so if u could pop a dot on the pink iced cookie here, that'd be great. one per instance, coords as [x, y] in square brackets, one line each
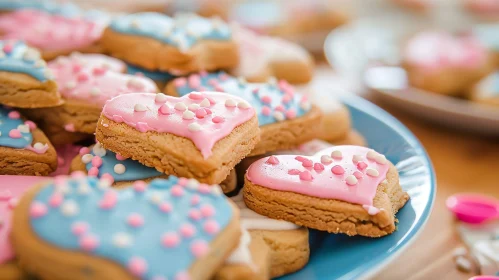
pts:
[433, 50]
[487, 8]
[11, 189]
[50, 33]
[347, 189]
[96, 78]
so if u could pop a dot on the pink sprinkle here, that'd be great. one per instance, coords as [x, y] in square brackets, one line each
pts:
[77, 175]
[218, 119]
[7, 48]
[142, 126]
[318, 166]
[109, 200]
[56, 199]
[180, 82]
[255, 90]
[200, 113]
[223, 77]
[12, 203]
[170, 239]
[177, 191]
[199, 248]
[286, 98]
[76, 68]
[218, 88]
[358, 174]
[84, 151]
[306, 176]
[182, 181]
[213, 82]
[96, 161]
[5, 195]
[207, 211]
[69, 127]
[194, 214]
[30, 124]
[266, 99]
[208, 111]
[337, 170]
[99, 71]
[212, 101]
[187, 230]
[266, 111]
[290, 114]
[137, 266]
[204, 188]
[118, 118]
[89, 243]
[120, 157]
[165, 207]
[82, 77]
[15, 133]
[195, 199]
[203, 73]
[361, 165]
[272, 160]
[300, 158]
[194, 81]
[79, 228]
[166, 110]
[14, 115]
[139, 186]
[294, 172]
[280, 108]
[307, 163]
[60, 161]
[135, 220]
[182, 276]
[282, 84]
[211, 227]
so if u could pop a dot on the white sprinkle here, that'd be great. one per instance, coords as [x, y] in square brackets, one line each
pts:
[205, 103]
[356, 158]
[2, 54]
[83, 189]
[243, 105]
[134, 83]
[98, 150]
[336, 154]
[371, 154]
[325, 159]
[216, 190]
[119, 168]
[63, 189]
[23, 128]
[230, 103]
[379, 158]
[94, 91]
[188, 115]
[122, 240]
[305, 105]
[272, 81]
[31, 54]
[40, 63]
[194, 127]
[193, 107]
[160, 98]
[180, 106]
[459, 251]
[0, 133]
[70, 85]
[104, 184]
[135, 24]
[241, 80]
[69, 208]
[48, 74]
[372, 172]
[192, 184]
[463, 264]
[279, 116]
[155, 198]
[139, 107]
[86, 158]
[351, 180]
[39, 146]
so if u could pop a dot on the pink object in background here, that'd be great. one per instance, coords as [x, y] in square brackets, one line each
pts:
[65, 155]
[473, 208]
[484, 278]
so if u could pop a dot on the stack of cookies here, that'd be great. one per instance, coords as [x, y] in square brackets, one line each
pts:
[146, 198]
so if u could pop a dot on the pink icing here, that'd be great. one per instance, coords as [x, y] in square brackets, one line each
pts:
[50, 32]
[438, 50]
[341, 178]
[203, 132]
[93, 84]
[11, 189]
[484, 6]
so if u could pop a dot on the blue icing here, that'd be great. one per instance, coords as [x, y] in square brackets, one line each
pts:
[157, 76]
[259, 13]
[6, 125]
[51, 7]
[22, 59]
[232, 85]
[134, 169]
[55, 226]
[182, 32]
[488, 34]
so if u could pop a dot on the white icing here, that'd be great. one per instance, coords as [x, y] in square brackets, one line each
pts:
[242, 254]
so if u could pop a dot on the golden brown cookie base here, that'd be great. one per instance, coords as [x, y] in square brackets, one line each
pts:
[50, 262]
[152, 54]
[24, 162]
[330, 215]
[353, 138]
[10, 271]
[294, 72]
[335, 125]
[288, 134]
[228, 185]
[179, 156]
[23, 91]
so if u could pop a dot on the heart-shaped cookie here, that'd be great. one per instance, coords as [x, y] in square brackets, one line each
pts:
[286, 117]
[348, 189]
[167, 229]
[200, 135]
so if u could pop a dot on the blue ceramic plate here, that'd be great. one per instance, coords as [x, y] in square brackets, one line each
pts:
[342, 257]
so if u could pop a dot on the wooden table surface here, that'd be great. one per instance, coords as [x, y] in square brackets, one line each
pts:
[463, 163]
